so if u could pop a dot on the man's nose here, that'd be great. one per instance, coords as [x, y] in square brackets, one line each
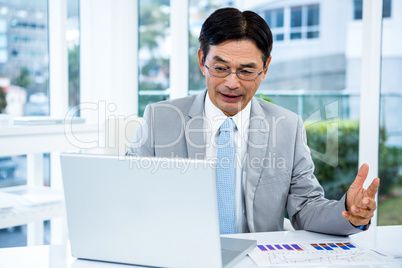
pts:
[232, 81]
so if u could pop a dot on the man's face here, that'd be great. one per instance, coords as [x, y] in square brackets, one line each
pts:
[231, 94]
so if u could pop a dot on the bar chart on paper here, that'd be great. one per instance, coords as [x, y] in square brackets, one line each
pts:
[311, 253]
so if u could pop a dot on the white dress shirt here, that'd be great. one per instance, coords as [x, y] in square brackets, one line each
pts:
[214, 118]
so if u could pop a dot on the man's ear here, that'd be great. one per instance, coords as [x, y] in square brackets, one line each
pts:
[200, 56]
[266, 67]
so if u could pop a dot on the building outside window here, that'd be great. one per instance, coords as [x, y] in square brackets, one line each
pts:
[24, 57]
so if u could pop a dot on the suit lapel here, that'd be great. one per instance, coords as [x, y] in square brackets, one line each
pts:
[256, 152]
[194, 129]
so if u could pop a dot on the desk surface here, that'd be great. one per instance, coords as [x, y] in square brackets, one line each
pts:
[385, 238]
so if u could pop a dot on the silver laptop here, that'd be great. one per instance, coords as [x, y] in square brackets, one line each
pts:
[146, 211]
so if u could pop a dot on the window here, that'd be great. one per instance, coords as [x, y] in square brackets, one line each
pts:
[198, 12]
[304, 22]
[154, 52]
[358, 9]
[293, 23]
[320, 82]
[390, 142]
[73, 47]
[24, 57]
[313, 19]
[24, 77]
[275, 20]
[386, 9]
[296, 22]
[13, 172]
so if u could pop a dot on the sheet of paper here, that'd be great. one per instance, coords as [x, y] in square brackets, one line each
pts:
[313, 253]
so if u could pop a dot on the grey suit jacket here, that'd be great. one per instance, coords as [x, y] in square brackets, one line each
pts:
[278, 166]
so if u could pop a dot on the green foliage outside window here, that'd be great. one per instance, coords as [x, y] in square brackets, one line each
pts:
[24, 79]
[3, 102]
[336, 180]
[74, 76]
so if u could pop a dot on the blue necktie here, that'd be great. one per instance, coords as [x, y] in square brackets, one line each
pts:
[225, 174]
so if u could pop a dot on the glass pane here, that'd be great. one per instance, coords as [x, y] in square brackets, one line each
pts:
[315, 34]
[279, 37]
[15, 236]
[13, 172]
[274, 18]
[198, 12]
[386, 8]
[319, 80]
[313, 15]
[357, 9]
[296, 17]
[295, 36]
[279, 18]
[154, 51]
[390, 144]
[268, 17]
[73, 46]
[24, 57]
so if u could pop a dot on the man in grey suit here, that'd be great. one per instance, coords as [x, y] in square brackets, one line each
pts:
[273, 169]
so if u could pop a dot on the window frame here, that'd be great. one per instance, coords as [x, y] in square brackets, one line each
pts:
[369, 112]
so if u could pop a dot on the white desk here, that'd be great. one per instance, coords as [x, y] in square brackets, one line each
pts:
[384, 238]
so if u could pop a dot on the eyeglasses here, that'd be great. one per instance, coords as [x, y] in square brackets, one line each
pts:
[243, 74]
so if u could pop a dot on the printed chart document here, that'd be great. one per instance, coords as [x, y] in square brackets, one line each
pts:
[314, 253]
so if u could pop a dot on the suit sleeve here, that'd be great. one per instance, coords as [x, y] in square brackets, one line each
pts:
[307, 207]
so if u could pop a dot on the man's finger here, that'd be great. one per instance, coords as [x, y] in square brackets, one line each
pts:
[361, 177]
[373, 188]
[366, 203]
[366, 214]
[362, 213]
[347, 215]
[355, 220]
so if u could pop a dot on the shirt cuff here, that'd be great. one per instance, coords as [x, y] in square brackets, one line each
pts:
[361, 227]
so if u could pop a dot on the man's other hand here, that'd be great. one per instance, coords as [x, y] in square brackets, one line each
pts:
[360, 202]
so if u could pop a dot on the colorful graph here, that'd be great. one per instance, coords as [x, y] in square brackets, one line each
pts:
[280, 247]
[312, 253]
[299, 247]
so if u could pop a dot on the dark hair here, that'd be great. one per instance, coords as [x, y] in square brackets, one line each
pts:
[232, 24]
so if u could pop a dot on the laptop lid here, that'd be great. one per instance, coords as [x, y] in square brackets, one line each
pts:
[146, 211]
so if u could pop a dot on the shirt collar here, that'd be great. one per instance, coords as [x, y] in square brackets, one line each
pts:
[215, 116]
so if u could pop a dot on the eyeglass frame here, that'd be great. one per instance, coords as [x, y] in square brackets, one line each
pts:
[229, 72]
